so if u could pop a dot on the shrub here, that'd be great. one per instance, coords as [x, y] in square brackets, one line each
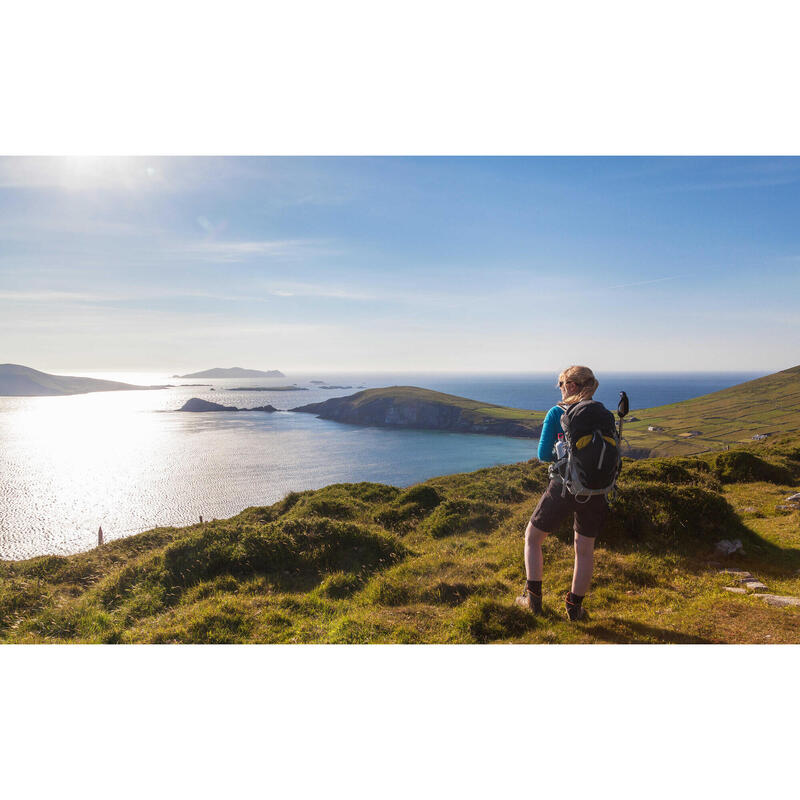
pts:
[339, 585]
[422, 496]
[387, 591]
[311, 545]
[741, 466]
[213, 621]
[449, 594]
[486, 620]
[671, 471]
[369, 492]
[669, 517]
[455, 516]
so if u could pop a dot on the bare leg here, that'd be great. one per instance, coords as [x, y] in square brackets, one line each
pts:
[584, 561]
[534, 565]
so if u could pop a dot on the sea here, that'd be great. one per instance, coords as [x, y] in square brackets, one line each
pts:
[130, 461]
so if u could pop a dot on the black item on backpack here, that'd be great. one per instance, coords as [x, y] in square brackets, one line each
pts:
[592, 460]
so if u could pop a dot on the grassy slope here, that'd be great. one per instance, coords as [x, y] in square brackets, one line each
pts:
[16, 380]
[731, 416]
[439, 562]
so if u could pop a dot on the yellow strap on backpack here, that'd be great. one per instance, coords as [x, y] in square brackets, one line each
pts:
[584, 440]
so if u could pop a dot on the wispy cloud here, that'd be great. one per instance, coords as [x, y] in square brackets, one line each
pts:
[55, 297]
[316, 290]
[235, 251]
[644, 283]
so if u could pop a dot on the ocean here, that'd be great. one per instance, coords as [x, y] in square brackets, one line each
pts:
[129, 461]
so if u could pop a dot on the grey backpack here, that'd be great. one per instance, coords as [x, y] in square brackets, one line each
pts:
[591, 461]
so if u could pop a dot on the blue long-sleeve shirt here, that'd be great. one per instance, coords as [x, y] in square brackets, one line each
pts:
[551, 427]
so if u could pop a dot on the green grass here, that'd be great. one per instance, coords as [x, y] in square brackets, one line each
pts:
[437, 562]
[768, 405]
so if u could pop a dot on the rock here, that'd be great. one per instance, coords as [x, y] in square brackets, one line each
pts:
[749, 509]
[196, 404]
[779, 600]
[793, 498]
[755, 586]
[741, 574]
[726, 547]
[735, 589]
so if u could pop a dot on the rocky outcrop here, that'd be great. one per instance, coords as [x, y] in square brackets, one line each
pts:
[196, 404]
[418, 413]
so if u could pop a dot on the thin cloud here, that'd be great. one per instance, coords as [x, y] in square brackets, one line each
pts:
[55, 297]
[644, 283]
[312, 290]
[233, 251]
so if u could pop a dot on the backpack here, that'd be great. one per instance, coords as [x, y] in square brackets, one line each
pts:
[591, 461]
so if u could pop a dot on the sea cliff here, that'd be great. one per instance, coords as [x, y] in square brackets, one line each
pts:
[412, 407]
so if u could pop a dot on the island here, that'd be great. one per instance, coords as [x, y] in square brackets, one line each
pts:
[317, 382]
[413, 407]
[196, 404]
[335, 387]
[268, 389]
[233, 372]
[19, 381]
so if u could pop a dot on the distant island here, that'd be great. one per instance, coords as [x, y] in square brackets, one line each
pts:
[19, 381]
[316, 381]
[268, 389]
[233, 372]
[412, 407]
[335, 387]
[196, 404]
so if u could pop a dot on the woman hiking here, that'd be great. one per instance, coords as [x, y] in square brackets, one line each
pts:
[576, 383]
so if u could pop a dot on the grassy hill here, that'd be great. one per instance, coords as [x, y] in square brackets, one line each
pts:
[413, 407]
[768, 405]
[19, 381]
[438, 562]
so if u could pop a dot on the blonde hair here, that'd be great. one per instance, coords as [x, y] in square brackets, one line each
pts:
[587, 384]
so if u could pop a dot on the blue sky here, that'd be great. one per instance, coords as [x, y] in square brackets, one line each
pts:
[506, 264]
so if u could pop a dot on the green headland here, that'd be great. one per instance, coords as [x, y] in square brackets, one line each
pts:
[441, 561]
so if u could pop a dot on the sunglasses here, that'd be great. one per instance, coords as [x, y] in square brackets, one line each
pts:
[565, 383]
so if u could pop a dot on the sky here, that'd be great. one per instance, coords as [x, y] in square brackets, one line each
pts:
[507, 264]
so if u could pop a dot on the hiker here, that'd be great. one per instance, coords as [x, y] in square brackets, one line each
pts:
[577, 384]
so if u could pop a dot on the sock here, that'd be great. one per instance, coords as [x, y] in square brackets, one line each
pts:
[575, 599]
[534, 587]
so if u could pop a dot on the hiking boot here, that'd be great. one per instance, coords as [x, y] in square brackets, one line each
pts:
[575, 612]
[530, 601]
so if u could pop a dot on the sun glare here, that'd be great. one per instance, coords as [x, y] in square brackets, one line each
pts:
[87, 173]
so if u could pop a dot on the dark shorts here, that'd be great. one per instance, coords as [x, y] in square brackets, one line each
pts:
[553, 510]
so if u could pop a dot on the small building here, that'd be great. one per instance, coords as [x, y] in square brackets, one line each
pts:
[654, 428]
[759, 436]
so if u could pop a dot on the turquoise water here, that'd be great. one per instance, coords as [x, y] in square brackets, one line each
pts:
[129, 461]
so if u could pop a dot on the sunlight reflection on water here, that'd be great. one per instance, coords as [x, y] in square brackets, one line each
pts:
[70, 464]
